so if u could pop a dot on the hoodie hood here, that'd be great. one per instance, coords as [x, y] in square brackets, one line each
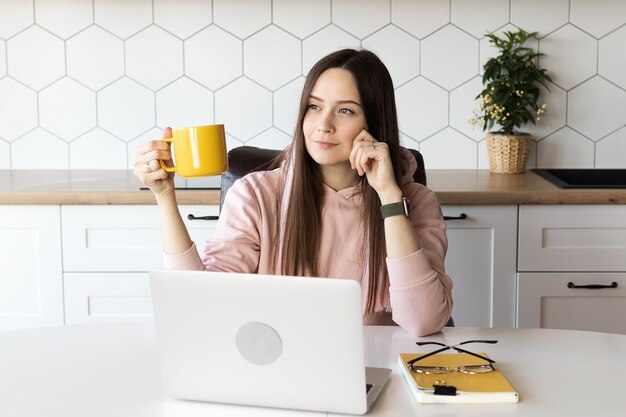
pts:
[408, 166]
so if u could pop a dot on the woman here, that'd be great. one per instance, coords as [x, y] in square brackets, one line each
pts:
[334, 207]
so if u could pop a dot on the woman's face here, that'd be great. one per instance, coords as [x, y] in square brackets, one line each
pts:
[333, 118]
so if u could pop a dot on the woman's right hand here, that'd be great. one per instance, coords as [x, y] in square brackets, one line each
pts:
[149, 170]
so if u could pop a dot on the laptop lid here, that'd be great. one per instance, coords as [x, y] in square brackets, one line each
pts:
[273, 341]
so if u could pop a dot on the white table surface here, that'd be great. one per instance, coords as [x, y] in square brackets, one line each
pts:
[112, 370]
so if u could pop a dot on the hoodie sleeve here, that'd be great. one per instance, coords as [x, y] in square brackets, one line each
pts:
[235, 245]
[420, 290]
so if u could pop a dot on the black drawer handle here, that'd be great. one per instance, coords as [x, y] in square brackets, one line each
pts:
[192, 217]
[461, 216]
[592, 286]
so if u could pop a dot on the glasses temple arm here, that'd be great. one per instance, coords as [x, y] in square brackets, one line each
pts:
[458, 349]
[478, 341]
[412, 361]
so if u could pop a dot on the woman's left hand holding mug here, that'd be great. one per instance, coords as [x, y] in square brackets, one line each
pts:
[149, 170]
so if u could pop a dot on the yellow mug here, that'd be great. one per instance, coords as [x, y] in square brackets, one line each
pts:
[199, 151]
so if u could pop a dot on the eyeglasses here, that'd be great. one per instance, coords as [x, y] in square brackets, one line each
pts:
[466, 369]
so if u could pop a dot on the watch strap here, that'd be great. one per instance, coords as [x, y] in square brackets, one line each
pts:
[395, 209]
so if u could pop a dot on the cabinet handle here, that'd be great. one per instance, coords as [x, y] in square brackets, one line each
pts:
[592, 286]
[192, 217]
[461, 216]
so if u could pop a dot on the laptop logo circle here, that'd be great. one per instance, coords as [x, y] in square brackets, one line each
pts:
[258, 343]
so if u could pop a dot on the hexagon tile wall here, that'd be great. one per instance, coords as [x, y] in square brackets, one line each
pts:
[84, 82]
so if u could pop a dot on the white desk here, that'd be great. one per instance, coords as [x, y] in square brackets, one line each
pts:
[112, 370]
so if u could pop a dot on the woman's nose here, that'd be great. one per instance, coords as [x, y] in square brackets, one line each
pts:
[325, 123]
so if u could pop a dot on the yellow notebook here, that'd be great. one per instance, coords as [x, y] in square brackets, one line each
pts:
[491, 387]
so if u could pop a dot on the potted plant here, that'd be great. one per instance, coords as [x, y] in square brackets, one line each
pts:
[510, 100]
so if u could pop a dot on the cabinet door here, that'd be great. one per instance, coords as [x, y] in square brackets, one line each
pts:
[122, 238]
[572, 238]
[547, 301]
[106, 297]
[481, 262]
[31, 290]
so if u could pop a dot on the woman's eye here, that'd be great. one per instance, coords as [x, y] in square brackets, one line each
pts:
[346, 111]
[313, 107]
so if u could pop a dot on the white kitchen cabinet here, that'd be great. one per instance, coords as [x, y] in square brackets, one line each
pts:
[31, 288]
[101, 297]
[558, 301]
[107, 252]
[122, 238]
[481, 261]
[572, 238]
[582, 245]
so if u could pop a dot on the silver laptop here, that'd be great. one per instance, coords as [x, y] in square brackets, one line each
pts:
[263, 340]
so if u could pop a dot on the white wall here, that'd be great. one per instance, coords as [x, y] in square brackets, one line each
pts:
[84, 82]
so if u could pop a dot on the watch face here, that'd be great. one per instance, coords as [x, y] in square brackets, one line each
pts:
[407, 206]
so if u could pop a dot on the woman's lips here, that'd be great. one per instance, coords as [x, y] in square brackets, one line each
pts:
[325, 145]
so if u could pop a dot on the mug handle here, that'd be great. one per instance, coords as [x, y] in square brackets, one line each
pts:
[165, 167]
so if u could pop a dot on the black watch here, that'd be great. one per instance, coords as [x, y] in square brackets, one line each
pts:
[396, 209]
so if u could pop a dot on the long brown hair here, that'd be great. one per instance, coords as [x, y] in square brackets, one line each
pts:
[300, 220]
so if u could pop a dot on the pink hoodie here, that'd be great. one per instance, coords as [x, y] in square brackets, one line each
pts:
[419, 292]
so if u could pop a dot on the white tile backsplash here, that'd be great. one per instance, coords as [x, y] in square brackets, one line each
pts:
[151, 49]
[598, 17]
[301, 17]
[242, 18]
[612, 57]
[16, 16]
[18, 109]
[36, 57]
[39, 149]
[245, 107]
[98, 150]
[3, 58]
[183, 18]
[565, 148]
[571, 56]
[95, 57]
[420, 18]
[5, 155]
[422, 108]
[403, 60]
[610, 151]
[272, 57]
[470, 16]
[540, 15]
[213, 57]
[86, 78]
[184, 103]
[126, 109]
[64, 18]
[449, 149]
[449, 57]
[596, 108]
[361, 18]
[67, 109]
[123, 18]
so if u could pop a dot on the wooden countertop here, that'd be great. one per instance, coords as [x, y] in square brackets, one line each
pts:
[451, 186]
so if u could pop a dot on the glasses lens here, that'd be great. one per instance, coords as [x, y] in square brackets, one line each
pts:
[429, 369]
[476, 369]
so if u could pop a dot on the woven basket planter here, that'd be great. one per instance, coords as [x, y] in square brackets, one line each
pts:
[508, 154]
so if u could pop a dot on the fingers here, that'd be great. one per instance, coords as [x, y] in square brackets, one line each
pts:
[366, 150]
[147, 166]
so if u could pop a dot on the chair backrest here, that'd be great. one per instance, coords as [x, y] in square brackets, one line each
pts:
[245, 159]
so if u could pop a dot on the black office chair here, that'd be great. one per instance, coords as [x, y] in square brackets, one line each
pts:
[245, 159]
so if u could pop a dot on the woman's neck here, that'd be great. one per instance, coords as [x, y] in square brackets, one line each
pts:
[339, 177]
